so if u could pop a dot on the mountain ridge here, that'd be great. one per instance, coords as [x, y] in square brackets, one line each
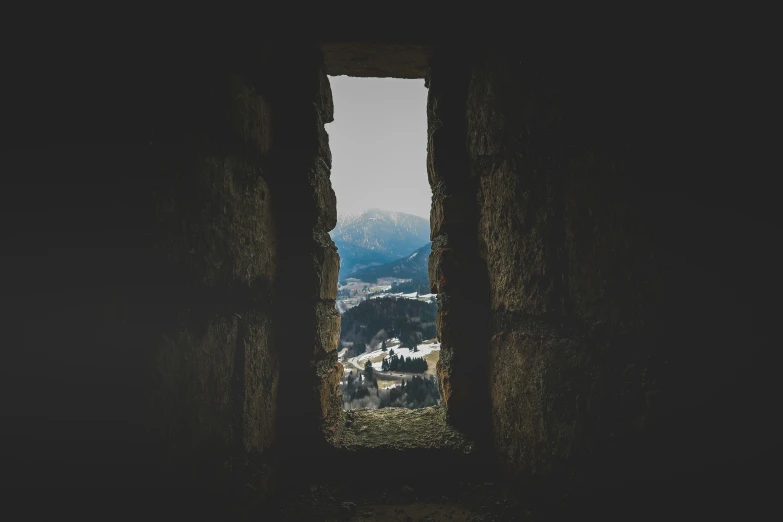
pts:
[376, 237]
[414, 266]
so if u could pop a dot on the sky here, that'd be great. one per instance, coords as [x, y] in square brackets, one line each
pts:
[379, 145]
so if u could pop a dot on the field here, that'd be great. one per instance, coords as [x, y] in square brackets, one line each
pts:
[429, 350]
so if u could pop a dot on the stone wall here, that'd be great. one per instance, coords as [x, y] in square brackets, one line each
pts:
[169, 281]
[456, 270]
[140, 258]
[616, 316]
[309, 324]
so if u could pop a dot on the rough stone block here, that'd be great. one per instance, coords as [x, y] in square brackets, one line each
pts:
[329, 271]
[251, 114]
[453, 272]
[521, 248]
[312, 272]
[329, 396]
[324, 199]
[327, 327]
[485, 114]
[324, 99]
[222, 229]
[322, 145]
[447, 163]
[545, 397]
[450, 211]
[434, 266]
[459, 323]
[261, 382]
[327, 265]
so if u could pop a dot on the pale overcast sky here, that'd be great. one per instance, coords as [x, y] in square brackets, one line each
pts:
[379, 145]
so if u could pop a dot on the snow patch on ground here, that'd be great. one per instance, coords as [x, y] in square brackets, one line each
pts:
[423, 349]
[400, 295]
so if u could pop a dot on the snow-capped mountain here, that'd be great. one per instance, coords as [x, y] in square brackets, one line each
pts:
[376, 237]
[413, 266]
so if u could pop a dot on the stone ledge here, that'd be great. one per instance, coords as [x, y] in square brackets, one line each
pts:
[375, 60]
[400, 429]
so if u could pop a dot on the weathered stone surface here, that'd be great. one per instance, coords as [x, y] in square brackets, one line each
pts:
[437, 270]
[313, 268]
[158, 356]
[487, 109]
[228, 236]
[560, 377]
[330, 397]
[325, 201]
[541, 429]
[329, 271]
[449, 268]
[400, 429]
[630, 287]
[590, 261]
[309, 262]
[324, 152]
[261, 382]
[450, 212]
[325, 103]
[328, 324]
[375, 60]
[456, 271]
[516, 227]
[463, 357]
[219, 371]
[448, 169]
[198, 403]
[251, 114]
[326, 264]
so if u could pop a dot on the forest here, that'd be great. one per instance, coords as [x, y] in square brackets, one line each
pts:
[420, 284]
[361, 391]
[404, 364]
[407, 319]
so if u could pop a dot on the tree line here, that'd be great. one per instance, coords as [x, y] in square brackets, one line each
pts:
[360, 390]
[409, 320]
[396, 363]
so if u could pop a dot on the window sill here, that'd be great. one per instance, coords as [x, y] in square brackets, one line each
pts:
[399, 429]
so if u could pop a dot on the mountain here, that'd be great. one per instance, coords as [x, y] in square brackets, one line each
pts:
[354, 257]
[377, 237]
[412, 266]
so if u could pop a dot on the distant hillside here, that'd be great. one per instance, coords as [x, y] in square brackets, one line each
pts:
[402, 318]
[377, 237]
[354, 258]
[412, 266]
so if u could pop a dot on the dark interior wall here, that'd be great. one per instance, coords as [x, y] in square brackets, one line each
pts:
[139, 259]
[627, 275]
[457, 272]
[308, 260]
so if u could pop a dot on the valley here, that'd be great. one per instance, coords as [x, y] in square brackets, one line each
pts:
[388, 340]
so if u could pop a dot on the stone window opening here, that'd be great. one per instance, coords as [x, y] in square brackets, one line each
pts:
[388, 342]
[432, 427]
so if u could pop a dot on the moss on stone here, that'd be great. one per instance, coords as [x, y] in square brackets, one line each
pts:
[400, 429]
